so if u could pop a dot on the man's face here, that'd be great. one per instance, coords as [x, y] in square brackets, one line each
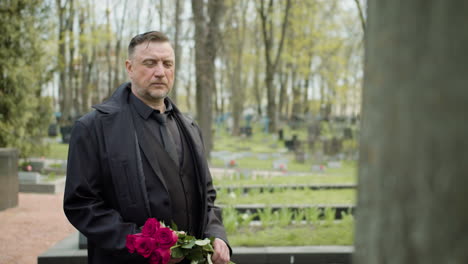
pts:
[151, 70]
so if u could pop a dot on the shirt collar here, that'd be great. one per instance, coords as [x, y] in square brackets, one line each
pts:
[144, 110]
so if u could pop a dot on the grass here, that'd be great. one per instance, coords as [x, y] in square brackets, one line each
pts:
[285, 228]
[289, 197]
[346, 174]
[339, 233]
[58, 151]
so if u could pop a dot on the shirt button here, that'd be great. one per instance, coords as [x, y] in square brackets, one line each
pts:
[166, 202]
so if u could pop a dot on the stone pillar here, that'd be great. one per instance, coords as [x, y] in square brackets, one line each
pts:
[9, 185]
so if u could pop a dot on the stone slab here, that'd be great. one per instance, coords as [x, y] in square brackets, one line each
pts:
[254, 208]
[270, 187]
[56, 186]
[8, 178]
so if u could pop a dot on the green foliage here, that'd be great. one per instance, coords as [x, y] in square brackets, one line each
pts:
[195, 250]
[333, 177]
[292, 197]
[57, 151]
[24, 114]
[274, 231]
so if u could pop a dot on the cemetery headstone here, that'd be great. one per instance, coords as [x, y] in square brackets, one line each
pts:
[246, 131]
[280, 134]
[9, 185]
[347, 133]
[293, 144]
[53, 130]
[281, 165]
[332, 147]
[66, 133]
[300, 156]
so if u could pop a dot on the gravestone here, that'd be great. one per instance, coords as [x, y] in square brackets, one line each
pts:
[300, 156]
[347, 133]
[66, 133]
[313, 133]
[246, 130]
[281, 135]
[28, 177]
[281, 165]
[332, 146]
[293, 144]
[53, 130]
[9, 185]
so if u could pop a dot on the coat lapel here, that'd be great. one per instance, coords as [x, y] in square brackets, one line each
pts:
[145, 143]
[120, 142]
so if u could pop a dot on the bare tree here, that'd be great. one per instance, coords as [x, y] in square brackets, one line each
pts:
[361, 15]
[414, 144]
[120, 23]
[206, 43]
[177, 47]
[266, 16]
[61, 58]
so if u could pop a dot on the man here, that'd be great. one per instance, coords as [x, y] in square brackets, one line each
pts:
[135, 157]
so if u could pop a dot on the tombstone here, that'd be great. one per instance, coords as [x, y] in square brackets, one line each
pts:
[347, 133]
[9, 185]
[334, 164]
[29, 177]
[66, 133]
[313, 133]
[293, 144]
[266, 123]
[281, 165]
[332, 146]
[53, 130]
[281, 134]
[300, 156]
[247, 131]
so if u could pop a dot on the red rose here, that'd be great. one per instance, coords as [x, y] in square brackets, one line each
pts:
[145, 246]
[151, 226]
[165, 237]
[130, 243]
[160, 256]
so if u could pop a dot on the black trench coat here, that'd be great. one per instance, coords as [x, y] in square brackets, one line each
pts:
[105, 194]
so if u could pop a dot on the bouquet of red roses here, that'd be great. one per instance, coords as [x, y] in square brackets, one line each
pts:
[159, 243]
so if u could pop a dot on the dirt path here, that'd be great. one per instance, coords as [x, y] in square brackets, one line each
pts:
[31, 228]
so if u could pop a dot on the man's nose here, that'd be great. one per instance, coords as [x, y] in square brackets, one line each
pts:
[159, 70]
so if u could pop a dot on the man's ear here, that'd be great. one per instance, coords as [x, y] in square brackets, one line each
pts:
[129, 67]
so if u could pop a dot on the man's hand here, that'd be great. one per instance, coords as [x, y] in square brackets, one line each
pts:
[221, 252]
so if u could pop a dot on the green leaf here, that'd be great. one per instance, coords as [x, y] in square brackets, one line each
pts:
[203, 242]
[177, 252]
[190, 244]
[208, 258]
[174, 226]
[208, 248]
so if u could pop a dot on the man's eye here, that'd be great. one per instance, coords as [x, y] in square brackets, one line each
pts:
[168, 64]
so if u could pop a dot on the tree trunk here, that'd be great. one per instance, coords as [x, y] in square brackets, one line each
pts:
[414, 141]
[283, 76]
[206, 41]
[120, 24]
[110, 88]
[266, 17]
[177, 47]
[61, 10]
[68, 100]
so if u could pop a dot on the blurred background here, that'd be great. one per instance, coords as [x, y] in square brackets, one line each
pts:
[275, 86]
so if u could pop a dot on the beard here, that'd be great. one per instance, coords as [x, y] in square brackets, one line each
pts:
[157, 94]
